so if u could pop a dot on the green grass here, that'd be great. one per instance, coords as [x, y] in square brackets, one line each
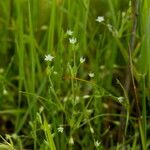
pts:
[57, 105]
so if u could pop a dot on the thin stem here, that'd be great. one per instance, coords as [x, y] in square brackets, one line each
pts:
[135, 4]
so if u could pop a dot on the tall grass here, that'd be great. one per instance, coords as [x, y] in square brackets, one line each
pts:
[94, 94]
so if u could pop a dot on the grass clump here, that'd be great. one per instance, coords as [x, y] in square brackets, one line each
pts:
[74, 74]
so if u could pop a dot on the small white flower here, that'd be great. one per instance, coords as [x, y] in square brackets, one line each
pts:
[102, 67]
[60, 129]
[44, 27]
[89, 111]
[120, 99]
[97, 143]
[5, 92]
[55, 72]
[92, 130]
[123, 14]
[69, 32]
[48, 57]
[77, 98]
[110, 28]
[91, 75]
[72, 40]
[41, 109]
[65, 99]
[82, 60]
[14, 136]
[86, 96]
[71, 141]
[105, 106]
[49, 126]
[100, 19]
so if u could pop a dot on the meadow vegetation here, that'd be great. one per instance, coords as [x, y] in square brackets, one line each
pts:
[74, 74]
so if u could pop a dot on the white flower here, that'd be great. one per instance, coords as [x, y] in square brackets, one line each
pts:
[71, 141]
[65, 99]
[92, 130]
[49, 126]
[100, 19]
[5, 92]
[82, 60]
[105, 105]
[91, 75]
[123, 14]
[14, 136]
[102, 67]
[110, 27]
[97, 143]
[44, 27]
[69, 32]
[86, 96]
[72, 40]
[41, 109]
[48, 57]
[60, 129]
[120, 99]
[77, 98]
[55, 72]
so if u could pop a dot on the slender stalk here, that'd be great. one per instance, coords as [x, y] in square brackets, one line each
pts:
[135, 4]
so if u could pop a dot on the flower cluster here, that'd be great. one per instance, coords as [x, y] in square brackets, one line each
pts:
[72, 40]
